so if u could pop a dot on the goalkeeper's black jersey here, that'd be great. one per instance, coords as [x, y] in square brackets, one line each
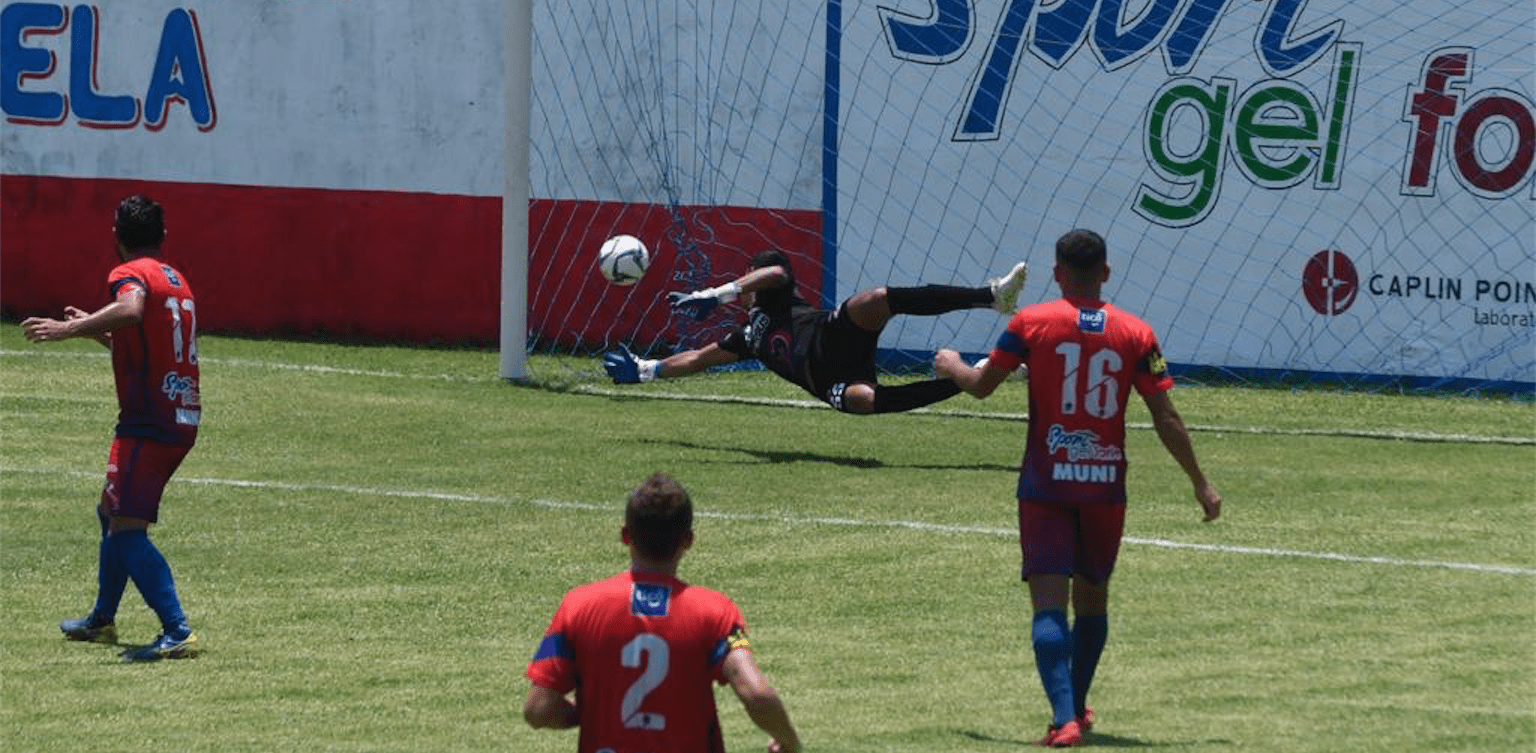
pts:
[781, 331]
[818, 350]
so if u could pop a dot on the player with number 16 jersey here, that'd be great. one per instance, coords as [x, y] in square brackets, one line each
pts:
[155, 364]
[1084, 357]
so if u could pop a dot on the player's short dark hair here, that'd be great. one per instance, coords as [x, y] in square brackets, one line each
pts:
[771, 258]
[139, 223]
[659, 516]
[1081, 250]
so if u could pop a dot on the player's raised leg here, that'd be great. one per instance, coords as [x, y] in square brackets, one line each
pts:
[1005, 289]
[872, 309]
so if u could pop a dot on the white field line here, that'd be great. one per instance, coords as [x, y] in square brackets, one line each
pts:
[1416, 436]
[911, 525]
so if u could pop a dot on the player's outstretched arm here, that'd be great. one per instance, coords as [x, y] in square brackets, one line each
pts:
[1175, 437]
[700, 303]
[694, 361]
[546, 709]
[71, 313]
[761, 701]
[978, 381]
[126, 311]
[626, 368]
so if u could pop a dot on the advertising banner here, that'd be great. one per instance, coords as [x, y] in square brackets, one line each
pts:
[1340, 187]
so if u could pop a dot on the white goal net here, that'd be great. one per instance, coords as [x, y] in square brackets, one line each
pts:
[1339, 191]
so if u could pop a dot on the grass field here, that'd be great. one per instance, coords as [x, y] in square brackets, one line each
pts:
[371, 541]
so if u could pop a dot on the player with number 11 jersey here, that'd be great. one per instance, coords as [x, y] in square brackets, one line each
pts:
[155, 364]
[150, 325]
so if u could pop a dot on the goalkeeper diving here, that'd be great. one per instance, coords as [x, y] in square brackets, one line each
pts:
[830, 354]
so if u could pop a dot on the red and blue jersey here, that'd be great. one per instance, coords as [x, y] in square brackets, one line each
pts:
[155, 362]
[642, 651]
[1084, 357]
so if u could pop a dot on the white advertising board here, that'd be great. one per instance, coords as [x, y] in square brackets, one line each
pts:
[1324, 186]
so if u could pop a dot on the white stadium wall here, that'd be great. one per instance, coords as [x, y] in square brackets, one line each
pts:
[326, 167]
[1293, 185]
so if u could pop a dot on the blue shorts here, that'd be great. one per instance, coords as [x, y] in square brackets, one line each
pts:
[137, 471]
[1070, 539]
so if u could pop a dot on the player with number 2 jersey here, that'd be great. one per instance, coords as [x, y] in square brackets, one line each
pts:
[642, 650]
[645, 650]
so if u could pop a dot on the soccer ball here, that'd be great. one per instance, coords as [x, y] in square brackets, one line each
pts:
[623, 259]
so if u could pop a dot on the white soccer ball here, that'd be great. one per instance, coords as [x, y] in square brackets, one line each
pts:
[623, 259]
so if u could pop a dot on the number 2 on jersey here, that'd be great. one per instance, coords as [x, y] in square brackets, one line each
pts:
[650, 651]
[1099, 397]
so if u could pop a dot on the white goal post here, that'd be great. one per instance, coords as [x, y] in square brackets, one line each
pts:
[517, 63]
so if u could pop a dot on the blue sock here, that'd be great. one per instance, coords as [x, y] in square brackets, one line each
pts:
[1089, 633]
[152, 575]
[111, 580]
[1053, 658]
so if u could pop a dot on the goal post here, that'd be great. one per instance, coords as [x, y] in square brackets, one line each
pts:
[517, 65]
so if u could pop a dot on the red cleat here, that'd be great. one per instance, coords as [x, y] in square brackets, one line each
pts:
[1085, 719]
[1068, 735]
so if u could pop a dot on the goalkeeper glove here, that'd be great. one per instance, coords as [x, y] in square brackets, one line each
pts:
[625, 368]
[700, 303]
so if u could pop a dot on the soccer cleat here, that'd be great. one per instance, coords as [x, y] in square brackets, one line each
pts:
[1085, 720]
[1068, 735]
[1005, 289]
[165, 647]
[83, 629]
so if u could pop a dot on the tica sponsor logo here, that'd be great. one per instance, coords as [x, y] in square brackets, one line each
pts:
[33, 36]
[649, 600]
[1330, 283]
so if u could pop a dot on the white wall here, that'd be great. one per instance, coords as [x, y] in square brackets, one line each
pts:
[399, 95]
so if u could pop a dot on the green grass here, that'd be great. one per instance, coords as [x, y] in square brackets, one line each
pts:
[371, 541]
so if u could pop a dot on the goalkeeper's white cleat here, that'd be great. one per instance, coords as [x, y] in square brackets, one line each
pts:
[1005, 289]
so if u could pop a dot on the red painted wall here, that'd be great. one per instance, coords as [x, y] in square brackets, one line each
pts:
[415, 267]
[268, 261]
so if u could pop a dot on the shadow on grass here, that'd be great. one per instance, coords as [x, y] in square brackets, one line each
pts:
[797, 456]
[1096, 740]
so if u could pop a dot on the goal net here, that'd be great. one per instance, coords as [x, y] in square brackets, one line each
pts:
[1317, 191]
